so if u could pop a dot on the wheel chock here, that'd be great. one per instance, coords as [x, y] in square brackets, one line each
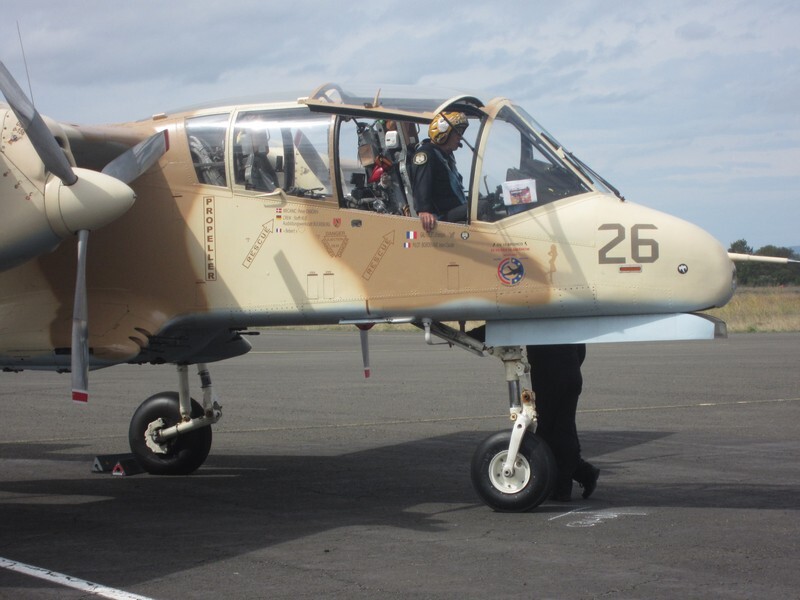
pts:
[127, 466]
[116, 464]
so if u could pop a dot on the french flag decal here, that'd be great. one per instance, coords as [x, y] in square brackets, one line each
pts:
[412, 235]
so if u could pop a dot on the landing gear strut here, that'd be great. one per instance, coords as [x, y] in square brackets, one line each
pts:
[170, 433]
[512, 471]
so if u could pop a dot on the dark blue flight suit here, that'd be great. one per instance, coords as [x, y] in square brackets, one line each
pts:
[438, 186]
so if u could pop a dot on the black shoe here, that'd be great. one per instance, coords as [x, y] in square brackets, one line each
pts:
[590, 482]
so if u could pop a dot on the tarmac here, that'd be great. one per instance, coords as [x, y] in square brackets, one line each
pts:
[324, 484]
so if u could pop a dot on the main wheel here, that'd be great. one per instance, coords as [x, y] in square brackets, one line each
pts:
[180, 455]
[529, 485]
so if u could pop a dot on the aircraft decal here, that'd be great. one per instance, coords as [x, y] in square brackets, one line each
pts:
[436, 240]
[553, 254]
[335, 242]
[295, 219]
[210, 239]
[410, 235]
[386, 242]
[630, 269]
[643, 250]
[266, 229]
[510, 271]
[509, 248]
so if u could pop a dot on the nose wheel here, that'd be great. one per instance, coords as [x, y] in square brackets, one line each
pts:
[179, 455]
[517, 487]
[170, 433]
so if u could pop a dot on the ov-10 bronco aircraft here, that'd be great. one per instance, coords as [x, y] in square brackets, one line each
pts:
[210, 222]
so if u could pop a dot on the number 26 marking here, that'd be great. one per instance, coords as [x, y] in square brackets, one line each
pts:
[643, 250]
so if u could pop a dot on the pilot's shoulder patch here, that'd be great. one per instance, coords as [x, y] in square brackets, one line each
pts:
[420, 158]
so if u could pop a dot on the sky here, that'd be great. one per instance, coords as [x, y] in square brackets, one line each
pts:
[689, 108]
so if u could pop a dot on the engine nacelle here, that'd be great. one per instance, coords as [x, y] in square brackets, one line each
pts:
[38, 210]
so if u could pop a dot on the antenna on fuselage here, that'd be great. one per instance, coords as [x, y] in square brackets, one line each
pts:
[25, 62]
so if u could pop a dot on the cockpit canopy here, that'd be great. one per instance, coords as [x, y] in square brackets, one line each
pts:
[355, 149]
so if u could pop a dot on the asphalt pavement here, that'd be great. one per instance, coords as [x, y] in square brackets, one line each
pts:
[323, 484]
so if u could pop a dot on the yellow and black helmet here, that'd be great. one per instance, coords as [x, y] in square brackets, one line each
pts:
[443, 124]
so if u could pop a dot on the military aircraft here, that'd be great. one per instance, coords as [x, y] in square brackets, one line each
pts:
[208, 223]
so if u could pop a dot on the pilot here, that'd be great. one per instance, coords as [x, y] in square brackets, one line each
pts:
[557, 384]
[438, 186]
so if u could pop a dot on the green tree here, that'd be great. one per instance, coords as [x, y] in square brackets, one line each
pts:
[744, 270]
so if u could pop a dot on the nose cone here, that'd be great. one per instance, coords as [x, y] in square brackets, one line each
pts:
[718, 273]
[697, 268]
[94, 201]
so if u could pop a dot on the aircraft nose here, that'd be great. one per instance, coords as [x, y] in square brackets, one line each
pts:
[723, 281]
[706, 268]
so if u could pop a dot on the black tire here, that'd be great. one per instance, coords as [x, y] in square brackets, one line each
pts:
[185, 453]
[533, 480]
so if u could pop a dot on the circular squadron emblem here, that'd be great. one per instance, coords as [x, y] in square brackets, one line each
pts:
[420, 158]
[683, 268]
[510, 271]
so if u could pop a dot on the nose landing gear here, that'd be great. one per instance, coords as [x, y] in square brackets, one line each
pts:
[512, 471]
[170, 433]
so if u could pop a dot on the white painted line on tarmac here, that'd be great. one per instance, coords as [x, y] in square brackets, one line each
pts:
[566, 514]
[68, 581]
[598, 517]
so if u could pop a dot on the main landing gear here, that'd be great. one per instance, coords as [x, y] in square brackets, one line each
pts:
[512, 471]
[170, 433]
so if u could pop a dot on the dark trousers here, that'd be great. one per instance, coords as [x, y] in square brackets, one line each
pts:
[557, 383]
[556, 426]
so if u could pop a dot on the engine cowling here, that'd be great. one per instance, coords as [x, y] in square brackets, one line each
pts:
[39, 210]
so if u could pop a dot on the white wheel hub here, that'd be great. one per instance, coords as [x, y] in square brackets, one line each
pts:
[514, 483]
[150, 434]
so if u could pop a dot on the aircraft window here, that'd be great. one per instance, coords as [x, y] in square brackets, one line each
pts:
[373, 164]
[285, 149]
[520, 172]
[207, 147]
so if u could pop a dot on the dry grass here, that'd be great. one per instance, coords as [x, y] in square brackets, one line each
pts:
[761, 310]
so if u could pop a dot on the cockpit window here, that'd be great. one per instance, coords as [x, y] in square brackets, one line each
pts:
[285, 149]
[520, 172]
[373, 158]
[207, 147]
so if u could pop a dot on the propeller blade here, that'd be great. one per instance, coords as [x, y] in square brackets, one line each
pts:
[134, 162]
[80, 327]
[54, 159]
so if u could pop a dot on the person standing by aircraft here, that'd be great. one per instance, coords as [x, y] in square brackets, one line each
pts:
[438, 186]
[557, 385]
